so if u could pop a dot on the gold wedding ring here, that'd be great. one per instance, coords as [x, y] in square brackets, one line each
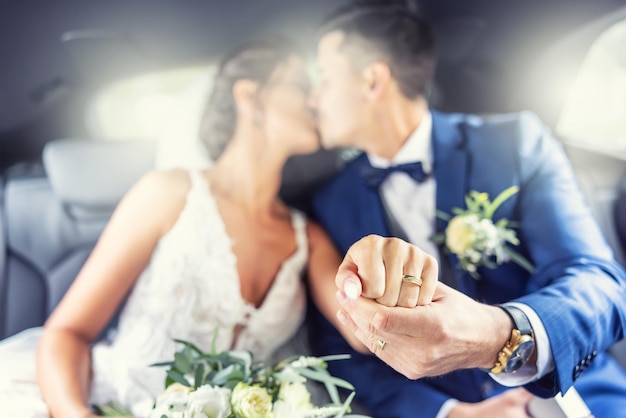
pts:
[381, 344]
[412, 279]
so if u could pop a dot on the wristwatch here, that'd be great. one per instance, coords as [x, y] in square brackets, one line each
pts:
[520, 346]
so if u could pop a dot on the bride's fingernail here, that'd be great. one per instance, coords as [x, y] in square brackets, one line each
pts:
[351, 290]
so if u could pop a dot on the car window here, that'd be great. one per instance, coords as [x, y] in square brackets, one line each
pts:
[163, 106]
[595, 110]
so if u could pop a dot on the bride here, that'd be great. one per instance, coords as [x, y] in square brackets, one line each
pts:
[196, 251]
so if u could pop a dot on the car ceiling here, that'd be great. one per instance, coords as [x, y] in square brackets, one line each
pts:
[53, 55]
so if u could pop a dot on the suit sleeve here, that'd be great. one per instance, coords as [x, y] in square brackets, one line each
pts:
[578, 289]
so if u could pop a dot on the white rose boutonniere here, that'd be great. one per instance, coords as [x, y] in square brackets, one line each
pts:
[475, 239]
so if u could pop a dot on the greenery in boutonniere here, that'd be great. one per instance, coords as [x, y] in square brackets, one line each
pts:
[475, 239]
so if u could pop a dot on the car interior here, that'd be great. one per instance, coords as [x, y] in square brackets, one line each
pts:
[69, 151]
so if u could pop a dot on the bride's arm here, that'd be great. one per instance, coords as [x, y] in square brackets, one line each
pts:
[63, 359]
[324, 260]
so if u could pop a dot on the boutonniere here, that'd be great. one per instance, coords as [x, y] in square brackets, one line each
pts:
[475, 239]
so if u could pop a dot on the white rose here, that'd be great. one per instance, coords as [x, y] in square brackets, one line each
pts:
[209, 402]
[251, 401]
[175, 388]
[171, 405]
[460, 234]
[284, 409]
[293, 399]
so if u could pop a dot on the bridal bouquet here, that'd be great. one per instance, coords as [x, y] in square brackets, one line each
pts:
[475, 239]
[230, 385]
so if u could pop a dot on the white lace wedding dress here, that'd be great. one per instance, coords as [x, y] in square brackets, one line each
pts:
[189, 289]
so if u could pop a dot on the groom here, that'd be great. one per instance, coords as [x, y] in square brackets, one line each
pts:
[375, 64]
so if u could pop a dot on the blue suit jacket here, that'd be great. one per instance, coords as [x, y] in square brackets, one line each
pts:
[578, 290]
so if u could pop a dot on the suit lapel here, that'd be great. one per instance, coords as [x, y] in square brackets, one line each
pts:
[451, 167]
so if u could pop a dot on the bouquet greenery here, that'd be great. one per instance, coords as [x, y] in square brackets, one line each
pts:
[475, 239]
[230, 385]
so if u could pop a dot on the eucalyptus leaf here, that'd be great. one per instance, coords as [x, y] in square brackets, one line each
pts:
[284, 376]
[457, 212]
[325, 377]
[177, 377]
[499, 200]
[223, 375]
[442, 215]
[190, 345]
[346, 405]
[502, 223]
[333, 393]
[520, 259]
[182, 362]
[163, 364]
[199, 376]
[244, 356]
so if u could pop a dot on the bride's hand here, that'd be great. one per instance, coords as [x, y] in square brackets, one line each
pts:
[389, 270]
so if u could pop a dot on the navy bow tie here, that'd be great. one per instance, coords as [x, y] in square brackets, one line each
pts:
[373, 176]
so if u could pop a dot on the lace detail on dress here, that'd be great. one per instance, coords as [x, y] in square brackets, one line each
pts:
[189, 288]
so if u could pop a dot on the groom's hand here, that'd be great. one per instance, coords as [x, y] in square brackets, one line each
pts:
[452, 332]
[389, 270]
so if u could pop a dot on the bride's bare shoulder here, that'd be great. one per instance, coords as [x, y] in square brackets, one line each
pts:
[159, 190]
[170, 183]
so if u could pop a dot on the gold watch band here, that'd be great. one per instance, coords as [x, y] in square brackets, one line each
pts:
[507, 351]
[518, 349]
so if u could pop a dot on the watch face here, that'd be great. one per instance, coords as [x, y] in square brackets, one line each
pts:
[519, 356]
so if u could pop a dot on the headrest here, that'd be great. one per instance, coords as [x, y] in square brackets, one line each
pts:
[96, 174]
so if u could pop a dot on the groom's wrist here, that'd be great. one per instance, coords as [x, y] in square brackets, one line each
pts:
[494, 334]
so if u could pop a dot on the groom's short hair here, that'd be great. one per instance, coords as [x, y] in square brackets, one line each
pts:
[390, 31]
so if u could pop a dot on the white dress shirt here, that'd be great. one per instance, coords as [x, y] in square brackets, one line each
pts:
[412, 205]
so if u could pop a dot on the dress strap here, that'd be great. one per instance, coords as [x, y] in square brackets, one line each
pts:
[197, 180]
[299, 220]
[199, 190]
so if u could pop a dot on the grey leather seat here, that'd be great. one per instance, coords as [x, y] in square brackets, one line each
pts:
[53, 221]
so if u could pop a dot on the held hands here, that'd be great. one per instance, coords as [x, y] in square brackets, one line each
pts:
[389, 270]
[420, 331]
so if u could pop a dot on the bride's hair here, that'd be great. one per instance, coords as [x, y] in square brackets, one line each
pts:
[255, 60]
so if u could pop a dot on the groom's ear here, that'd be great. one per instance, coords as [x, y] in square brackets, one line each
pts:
[245, 95]
[377, 77]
